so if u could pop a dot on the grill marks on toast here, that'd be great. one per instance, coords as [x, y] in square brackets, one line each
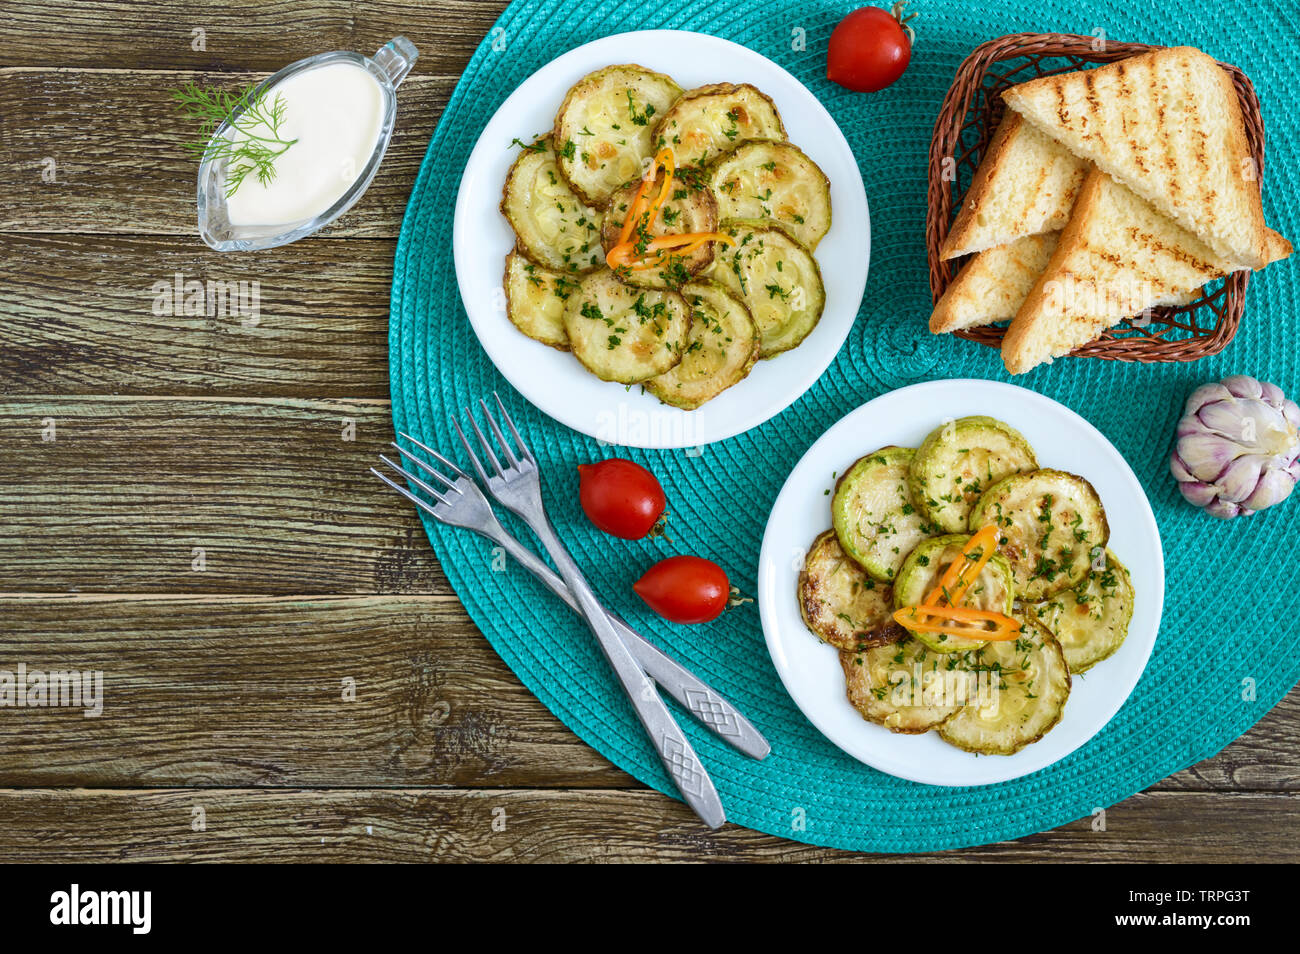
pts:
[1162, 85]
[1135, 91]
[1156, 243]
[1168, 125]
[1118, 257]
[993, 284]
[1025, 185]
[1170, 122]
[1132, 270]
[1023, 225]
[1094, 105]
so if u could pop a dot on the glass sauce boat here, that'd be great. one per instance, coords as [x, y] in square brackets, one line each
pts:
[389, 67]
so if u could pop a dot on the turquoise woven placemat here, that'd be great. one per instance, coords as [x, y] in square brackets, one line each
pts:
[1225, 653]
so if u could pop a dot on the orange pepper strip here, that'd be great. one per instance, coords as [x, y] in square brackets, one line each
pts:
[633, 215]
[923, 618]
[941, 606]
[625, 254]
[1001, 635]
[959, 576]
[966, 632]
[624, 250]
[665, 160]
[968, 613]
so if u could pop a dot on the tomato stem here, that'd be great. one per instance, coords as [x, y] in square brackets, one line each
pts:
[660, 529]
[897, 14]
[736, 599]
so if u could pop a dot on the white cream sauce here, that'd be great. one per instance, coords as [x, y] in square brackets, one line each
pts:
[335, 113]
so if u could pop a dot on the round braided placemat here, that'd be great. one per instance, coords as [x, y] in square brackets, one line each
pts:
[1224, 655]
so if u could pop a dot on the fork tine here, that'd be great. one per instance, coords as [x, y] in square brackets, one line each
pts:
[432, 471]
[428, 489]
[519, 441]
[406, 493]
[473, 459]
[501, 438]
[435, 455]
[487, 445]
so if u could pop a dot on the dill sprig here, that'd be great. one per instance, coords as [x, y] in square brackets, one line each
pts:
[254, 141]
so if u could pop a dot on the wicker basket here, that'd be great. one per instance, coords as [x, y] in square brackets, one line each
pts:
[971, 112]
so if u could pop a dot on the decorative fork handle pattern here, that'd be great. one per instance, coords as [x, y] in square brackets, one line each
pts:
[674, 749]
[709, 707]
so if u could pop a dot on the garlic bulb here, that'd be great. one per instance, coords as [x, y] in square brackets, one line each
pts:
[1237, 447]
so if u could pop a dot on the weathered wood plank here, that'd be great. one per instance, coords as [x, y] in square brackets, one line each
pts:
[121, 495]
[83, 315]
[185, 678]
[571, 826]
[197, 687]
[158, 34]
[113, 143]
[360, 692]
[1267, 758]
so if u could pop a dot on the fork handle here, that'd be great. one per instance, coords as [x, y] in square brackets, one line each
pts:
[670, 742]
[697, 696]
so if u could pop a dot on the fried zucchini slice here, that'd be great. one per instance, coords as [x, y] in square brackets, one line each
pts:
[958, 461]
[874, 520]
[1090, 620]
[1028, 686]
[840, 604]
[921, 572]
[711, 120]
[690, 207]
[1052, 526]
[604, 129]
[535, 298]
[776, 278]
[554, 227]
[905, 687]
[721, 348]
[625, 334]
[774, 182]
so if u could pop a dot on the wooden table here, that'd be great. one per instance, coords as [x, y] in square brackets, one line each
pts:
[184, 505]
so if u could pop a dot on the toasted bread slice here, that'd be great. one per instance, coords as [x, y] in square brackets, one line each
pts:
[1276, 248]
[1168, 125]
[1025, 184]
[1117, 257]
[994, 284]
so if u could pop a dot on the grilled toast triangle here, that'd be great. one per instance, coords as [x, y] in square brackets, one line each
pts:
[1117, 257]
[1025, 185]
[1168, 125]
[994, 284]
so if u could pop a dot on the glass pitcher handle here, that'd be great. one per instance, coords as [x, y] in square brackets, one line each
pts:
[395, 58]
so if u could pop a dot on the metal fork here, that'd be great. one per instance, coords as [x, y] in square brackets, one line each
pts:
[460, 503]
[518, 487]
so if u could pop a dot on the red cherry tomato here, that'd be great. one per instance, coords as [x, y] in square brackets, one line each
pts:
[620, 497]
[869, 49]
[685, 589]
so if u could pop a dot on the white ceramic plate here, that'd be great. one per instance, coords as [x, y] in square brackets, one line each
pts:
[811, 670]
[554, 381]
